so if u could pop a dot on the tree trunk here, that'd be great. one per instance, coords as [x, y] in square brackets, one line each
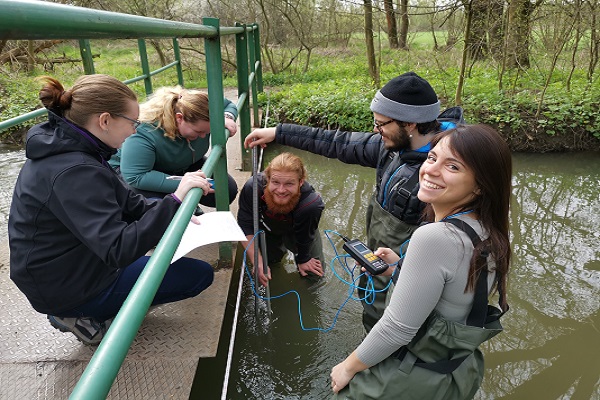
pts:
[594, 43]
[403, 36]
[30, 56]
[12, 54]
[496, 28]
[518, 27]
[477, 44]
[392, 29]
[465, 57]
[373, 72]
[452, 25]
[161, 54]
[577, 38]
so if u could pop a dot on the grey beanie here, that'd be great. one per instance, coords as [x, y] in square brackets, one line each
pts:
[407, 98]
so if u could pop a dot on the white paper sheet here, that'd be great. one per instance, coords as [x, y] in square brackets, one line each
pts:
[218, 226]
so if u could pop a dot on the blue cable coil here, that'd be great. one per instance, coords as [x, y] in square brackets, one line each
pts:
[342, 259]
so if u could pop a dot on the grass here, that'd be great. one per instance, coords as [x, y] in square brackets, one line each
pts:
[336, 89]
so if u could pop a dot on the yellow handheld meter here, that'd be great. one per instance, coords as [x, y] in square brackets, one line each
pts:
[365, 257]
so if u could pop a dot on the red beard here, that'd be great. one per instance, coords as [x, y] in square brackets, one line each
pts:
[281, 208]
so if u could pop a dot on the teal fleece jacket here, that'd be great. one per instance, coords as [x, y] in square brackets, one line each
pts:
[148, 157]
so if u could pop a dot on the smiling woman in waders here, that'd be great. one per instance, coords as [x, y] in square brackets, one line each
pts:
[426, 344]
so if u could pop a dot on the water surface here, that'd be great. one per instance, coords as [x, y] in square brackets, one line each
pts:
[549, 349]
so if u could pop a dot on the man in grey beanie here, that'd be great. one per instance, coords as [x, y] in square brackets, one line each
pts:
[405, 119]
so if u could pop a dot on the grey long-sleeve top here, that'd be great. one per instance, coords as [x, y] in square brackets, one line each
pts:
[433, 276]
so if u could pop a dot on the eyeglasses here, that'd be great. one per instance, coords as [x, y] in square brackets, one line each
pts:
[379, 125]
[135, 122]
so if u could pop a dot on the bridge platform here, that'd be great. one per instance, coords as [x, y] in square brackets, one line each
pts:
[40, 362]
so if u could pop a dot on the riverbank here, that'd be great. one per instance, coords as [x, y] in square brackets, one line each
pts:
[531, 139]
[338, 96]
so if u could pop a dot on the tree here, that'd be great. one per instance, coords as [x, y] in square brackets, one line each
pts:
[594, 47]
[390, 17]
[373, 70]
[486, 26]
[403, 35]
[518, 29]
[477, 45]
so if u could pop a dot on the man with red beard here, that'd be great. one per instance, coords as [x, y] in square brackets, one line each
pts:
[289, 213]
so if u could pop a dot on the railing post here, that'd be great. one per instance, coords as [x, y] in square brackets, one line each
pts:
[218, 136]
[252, 57]
[178, 59]
[241, 50]
[145, 66]
[257, 56]
[86, 56]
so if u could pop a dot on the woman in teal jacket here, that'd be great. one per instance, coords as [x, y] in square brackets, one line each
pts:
[173, 140]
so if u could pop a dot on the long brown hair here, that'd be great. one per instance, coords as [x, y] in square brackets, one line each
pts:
[89, 95]
[486, 153]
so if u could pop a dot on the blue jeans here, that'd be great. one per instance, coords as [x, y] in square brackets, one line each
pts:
[185, 278]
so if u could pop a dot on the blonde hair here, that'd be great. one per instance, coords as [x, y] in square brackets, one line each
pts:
[161, 107]
[287, 162]
[89, 95]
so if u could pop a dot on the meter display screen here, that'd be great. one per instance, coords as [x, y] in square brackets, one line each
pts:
[361, 247]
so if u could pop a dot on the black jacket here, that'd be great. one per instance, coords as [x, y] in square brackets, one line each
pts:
[73, 223]
[302, 222]
[394, 169]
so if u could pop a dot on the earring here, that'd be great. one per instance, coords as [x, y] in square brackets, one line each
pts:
[106, 131]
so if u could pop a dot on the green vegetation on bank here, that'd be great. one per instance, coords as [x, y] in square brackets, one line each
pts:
[335, 92]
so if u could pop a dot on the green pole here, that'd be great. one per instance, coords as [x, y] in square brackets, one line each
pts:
[100, 373]
[219, 136]
[259, 80]
[86, 56]
[252, 57]
[241, 50]
[178, 59]
[145, 66]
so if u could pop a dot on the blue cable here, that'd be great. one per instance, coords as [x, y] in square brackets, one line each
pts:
[290, 292]
[370, 291]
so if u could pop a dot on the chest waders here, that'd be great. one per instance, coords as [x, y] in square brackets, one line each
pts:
[442, 362]
[383, 230]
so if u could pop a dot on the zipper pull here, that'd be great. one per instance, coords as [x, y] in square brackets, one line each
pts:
[192, 149]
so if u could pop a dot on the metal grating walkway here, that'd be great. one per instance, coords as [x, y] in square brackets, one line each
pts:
[40, 362]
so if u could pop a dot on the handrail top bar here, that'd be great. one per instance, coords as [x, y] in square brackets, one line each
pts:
[34, 19]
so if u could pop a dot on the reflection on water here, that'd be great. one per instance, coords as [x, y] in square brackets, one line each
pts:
[550, 345]
[551, 342]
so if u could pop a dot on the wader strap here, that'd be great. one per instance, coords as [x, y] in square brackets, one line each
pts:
[405, 193]
[442, 367]
[476, 317]
[480, 302]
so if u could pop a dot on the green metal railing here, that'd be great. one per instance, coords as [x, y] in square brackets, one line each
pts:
[89, 68]
[43, 20]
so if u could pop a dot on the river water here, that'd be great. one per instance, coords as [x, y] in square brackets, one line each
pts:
[550, 348]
